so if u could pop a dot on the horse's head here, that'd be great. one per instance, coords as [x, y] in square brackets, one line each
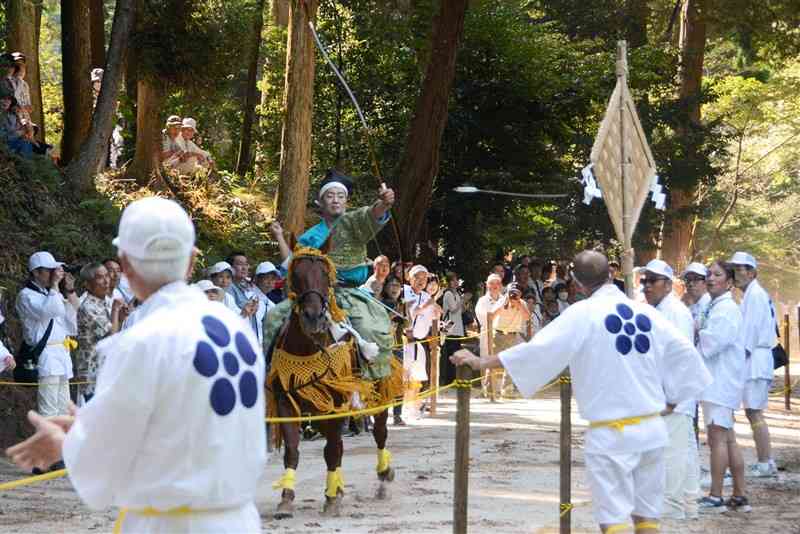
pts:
[311, 279]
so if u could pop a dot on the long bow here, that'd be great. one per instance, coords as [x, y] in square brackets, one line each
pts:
[370, 146]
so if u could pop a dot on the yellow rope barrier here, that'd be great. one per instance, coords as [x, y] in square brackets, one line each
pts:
[36, 384]
[32, 480]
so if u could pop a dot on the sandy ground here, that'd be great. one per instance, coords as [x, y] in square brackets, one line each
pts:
[513, 481]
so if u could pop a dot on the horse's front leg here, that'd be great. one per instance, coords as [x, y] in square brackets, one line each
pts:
[334, 483]
[290, 432]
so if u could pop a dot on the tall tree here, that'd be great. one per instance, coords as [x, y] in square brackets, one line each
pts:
[150, 94]
[24, 20]
[678, 245]
[244, 158]
[298, 102]
[420, 162]
[80, 171]
[97, 29]
[77, 88]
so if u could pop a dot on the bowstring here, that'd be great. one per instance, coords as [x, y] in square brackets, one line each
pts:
[370, 144]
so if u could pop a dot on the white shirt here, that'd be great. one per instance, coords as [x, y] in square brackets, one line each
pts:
[758, 328]
[165, 428]
[453, 306]
[626, 360]
[486, 305]
[698, 308]
[720, 343]
[35, 310]
[264, 306]
[681, 318]
[421, 321]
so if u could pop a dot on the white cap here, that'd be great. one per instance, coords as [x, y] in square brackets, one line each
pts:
[97, 75]
[659, 267]
[332, 185]
[743, 258]
[189, 122]
[266, 267]
[696, 268]
[207, 285]
[417, 269]
[219, 267]
[155, 228]
[44, 260]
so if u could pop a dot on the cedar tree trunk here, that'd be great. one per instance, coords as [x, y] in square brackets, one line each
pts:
[298, 103]
[76, 50]
[24, 20]
[97, 30]
[149, 98]
[80, 172]
[244, 160]
[420, 162]
[679, 239]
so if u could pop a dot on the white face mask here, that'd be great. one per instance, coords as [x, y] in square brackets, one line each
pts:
[563, 295]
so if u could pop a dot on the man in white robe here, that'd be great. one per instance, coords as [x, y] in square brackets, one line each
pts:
[174, 435]
[759, 330]
[681, 456]
[696, 296]
[628, 364]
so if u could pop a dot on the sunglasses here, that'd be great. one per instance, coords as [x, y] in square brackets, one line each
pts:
[650, 281]
[694, 280]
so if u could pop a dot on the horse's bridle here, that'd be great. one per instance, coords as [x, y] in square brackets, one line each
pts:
[305, 294]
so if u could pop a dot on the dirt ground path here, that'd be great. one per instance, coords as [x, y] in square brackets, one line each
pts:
[513, 481]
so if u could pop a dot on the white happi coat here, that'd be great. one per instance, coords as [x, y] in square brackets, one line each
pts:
[177, 419]
[35, 310]
[720, 343]
[626, 360]
[679, 315]
[758, 330]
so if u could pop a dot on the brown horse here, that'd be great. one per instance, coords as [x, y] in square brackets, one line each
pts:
[314, 374]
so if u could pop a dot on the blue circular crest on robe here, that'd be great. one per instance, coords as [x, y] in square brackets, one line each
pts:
[630, 331]
[230, 374]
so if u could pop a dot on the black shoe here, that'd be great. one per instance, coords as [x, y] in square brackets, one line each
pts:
[37, 471]
[398, 421]
[739, 504]
[56, 466]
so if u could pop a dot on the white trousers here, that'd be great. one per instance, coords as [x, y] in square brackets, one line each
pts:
[626, 484]
[242, 520]
[682, 465]
[53, 395]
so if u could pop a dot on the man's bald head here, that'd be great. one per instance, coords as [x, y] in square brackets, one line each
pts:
[591, 269]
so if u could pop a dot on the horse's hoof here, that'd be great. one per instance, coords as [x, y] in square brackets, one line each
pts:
[286, 507]
[333, 506]
[386, 476]
[382, 492]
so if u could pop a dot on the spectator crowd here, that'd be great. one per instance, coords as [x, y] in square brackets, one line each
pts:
[66, 311]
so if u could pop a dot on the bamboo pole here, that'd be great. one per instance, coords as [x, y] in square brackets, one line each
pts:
[627, 216]
[565, 460]
[461, 478]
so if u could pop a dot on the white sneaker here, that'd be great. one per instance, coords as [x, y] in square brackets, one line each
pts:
[759, 470]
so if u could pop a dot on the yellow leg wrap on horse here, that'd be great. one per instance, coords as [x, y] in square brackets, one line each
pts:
[620, 527]
[286, 481]
[334, 483]
[384, 460]
[120, 520]
[644, 525]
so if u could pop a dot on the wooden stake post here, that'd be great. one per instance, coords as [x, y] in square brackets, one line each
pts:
[434, 354]
[565, 458]
[787, 375]
[461, 478]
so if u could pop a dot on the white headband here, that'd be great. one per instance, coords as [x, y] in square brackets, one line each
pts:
[330, 185]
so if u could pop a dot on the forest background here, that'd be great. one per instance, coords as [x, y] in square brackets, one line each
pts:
[500, 94]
